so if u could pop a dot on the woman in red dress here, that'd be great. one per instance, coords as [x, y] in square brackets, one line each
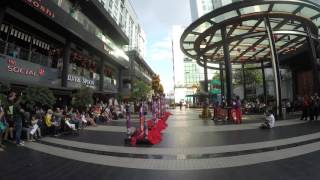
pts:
[238, 110]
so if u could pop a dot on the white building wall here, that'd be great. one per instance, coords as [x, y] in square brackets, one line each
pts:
[178, 56]
[123, 13]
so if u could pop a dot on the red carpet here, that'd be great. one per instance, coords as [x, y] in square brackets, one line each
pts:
[154, 134]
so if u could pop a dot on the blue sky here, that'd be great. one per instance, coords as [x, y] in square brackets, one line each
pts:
[157, 18]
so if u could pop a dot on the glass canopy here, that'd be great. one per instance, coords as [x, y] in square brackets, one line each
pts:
[246, 31]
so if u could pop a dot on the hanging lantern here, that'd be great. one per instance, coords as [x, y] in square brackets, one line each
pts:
[254, 49]
[238, 49]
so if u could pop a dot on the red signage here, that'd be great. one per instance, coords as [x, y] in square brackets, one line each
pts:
[13, 67]
[37, 4]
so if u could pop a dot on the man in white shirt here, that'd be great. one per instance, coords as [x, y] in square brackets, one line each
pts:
[270, 121]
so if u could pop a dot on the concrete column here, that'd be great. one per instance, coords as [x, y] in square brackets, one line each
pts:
[120, 84]
[314, 60]
[264, 83]
[228, 67]
[244, 83]
[101, 73]
[275, 66]
[221, 78]
[205, 69]
[66, 60]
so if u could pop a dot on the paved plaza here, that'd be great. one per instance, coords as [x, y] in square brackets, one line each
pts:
[192, 148]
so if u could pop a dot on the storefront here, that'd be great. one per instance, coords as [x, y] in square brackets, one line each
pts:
[43, 43]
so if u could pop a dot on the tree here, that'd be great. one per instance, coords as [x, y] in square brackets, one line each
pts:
[253, 76]
[83, 98]
[37, 96]
[140, 90]
[156, 85]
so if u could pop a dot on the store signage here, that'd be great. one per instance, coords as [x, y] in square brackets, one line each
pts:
[14, 68]
[82, 80]
[38, 4]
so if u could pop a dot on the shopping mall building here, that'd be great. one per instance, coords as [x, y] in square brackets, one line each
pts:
[63, 45]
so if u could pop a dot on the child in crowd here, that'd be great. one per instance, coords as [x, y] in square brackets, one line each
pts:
[36, 131]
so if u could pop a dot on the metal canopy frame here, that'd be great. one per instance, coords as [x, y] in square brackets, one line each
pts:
[253, 31]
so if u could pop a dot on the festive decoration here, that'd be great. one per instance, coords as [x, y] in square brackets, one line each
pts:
[150, 131]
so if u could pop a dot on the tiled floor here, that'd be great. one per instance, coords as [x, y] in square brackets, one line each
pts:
[191, 149]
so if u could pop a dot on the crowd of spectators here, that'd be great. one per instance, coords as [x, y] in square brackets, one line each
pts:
[16, 122]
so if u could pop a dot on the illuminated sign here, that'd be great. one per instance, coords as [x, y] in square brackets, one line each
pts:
[37, 4]
[14, 68]
[82, 80]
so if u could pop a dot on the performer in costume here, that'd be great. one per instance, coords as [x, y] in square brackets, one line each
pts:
[145, 110]
[154, 110]
[238, 110]
[128, 116]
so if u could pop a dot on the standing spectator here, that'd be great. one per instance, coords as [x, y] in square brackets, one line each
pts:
[18, 115]
[316, 106]
[305, 108]
[312, 108]
[9, 130]
[3, 124]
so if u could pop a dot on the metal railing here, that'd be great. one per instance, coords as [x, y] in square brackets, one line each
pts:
[19, 52]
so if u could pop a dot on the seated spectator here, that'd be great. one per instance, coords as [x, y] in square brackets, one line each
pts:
[113, 112]
[106, 115]
[83, 118]
[36, 130]
[48, 120]
[57, 118]
[270, 121]
[27, 127]
[90, 120]
[75, 119]
[68, 123]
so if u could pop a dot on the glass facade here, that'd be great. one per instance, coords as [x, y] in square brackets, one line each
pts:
[74, 10]
[192, 74]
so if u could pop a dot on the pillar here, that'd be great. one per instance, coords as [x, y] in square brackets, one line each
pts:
[275, 66]
[120, 84]
[228, 67]
[244, 82]
[66, 60]
[264, 83]
[221, 79]
[101, 73]
[314, 60]
[205, 69]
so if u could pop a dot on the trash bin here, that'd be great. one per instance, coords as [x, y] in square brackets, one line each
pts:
[284, 113]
